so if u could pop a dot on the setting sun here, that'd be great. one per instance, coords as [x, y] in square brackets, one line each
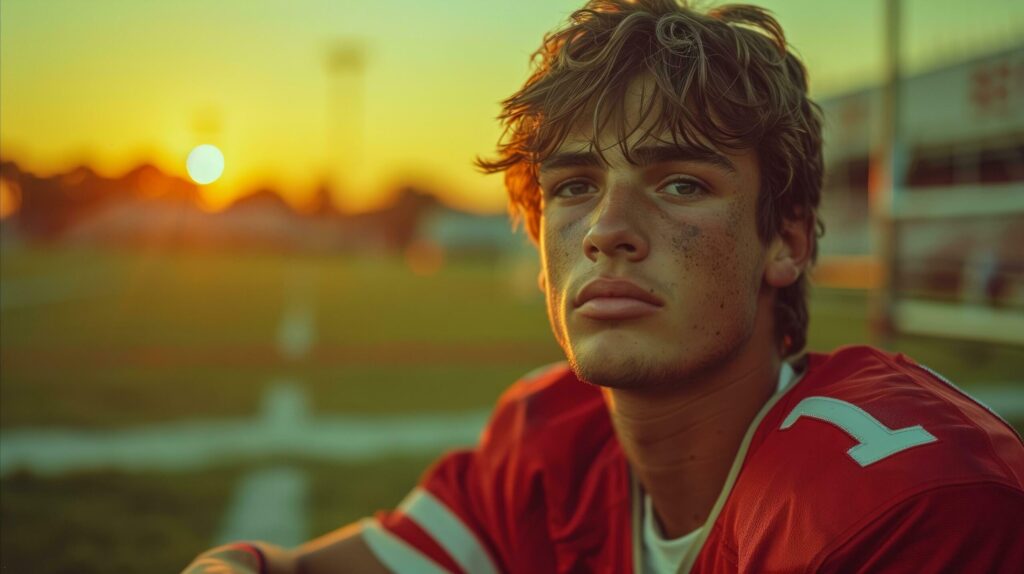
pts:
[205, 164]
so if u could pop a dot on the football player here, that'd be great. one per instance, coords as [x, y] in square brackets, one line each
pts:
[668, 163]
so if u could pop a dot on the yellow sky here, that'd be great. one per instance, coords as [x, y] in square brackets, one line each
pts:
[116, 82]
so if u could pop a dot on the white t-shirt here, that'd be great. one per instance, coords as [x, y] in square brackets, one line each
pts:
[663, 556]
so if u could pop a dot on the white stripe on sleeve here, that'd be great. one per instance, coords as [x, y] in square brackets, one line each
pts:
[449, 531]
[399, 557]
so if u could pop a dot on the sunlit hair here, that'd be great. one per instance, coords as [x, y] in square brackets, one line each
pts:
[723, 77]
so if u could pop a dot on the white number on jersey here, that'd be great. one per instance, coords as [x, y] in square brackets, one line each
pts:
[875, 440]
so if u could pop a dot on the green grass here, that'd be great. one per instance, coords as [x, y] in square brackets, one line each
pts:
[165, 336]
[108, 521]
[382, 389]
[114, 396]
[136, 299]
[115, 522]
[187, 335]
[344, 493]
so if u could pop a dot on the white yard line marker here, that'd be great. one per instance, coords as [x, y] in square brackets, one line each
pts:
[202, 444]
[297, 331]
[269, 505]
[284, 428]
[285, 405]
[296, 334]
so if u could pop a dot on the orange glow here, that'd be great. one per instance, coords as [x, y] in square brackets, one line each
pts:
[151, 184]
[214, 198]
[332, 94]
[10, 198]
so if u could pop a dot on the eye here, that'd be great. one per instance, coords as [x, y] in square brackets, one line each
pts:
[683, 188]
[574, 188]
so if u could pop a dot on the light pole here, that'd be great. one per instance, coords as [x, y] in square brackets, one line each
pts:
[346, 63]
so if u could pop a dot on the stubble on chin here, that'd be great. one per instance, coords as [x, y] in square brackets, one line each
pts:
[628, 373]
[646, 372]
[626, 364]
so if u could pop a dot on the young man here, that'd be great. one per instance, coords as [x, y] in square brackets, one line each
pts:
[668, 163]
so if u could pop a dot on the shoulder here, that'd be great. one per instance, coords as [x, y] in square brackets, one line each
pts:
[547, 454]
[892, 414]
[546, 387]
[547, 400]
[552, 437]
[862, 433]
[549, 428]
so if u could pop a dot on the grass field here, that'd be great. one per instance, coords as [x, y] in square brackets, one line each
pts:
[93, 339]
[173, 336]
[94, 522]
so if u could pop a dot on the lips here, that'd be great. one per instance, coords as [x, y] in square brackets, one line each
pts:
[615, 299]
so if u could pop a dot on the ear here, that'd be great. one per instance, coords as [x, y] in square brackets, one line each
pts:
[789, 254]
[542, 282]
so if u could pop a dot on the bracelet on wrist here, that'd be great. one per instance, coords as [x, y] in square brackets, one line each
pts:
[255, 552]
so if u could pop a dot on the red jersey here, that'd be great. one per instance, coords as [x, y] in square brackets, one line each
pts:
[868, 463]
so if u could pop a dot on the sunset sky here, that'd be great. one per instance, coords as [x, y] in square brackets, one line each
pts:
[113, 83]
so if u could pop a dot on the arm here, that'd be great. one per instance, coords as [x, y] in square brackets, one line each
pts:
[340, 552]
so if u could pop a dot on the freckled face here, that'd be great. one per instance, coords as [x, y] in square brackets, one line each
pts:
[679, 226]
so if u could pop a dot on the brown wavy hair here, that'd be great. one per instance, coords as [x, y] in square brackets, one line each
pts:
[724, 77]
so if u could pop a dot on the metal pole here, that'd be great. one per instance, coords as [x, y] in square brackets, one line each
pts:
[887, 175]
[345, 67]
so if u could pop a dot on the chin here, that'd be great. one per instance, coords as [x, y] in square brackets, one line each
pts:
[619, 371]
[619, 359]
[636, 364]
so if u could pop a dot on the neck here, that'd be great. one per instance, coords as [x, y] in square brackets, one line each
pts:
[681, 442]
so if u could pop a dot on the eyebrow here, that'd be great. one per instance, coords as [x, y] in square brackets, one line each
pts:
[644, 156]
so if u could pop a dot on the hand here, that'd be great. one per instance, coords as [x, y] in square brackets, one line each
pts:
[228, 559]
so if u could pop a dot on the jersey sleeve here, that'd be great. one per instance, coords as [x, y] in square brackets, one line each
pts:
[461, 516]
[960, 528]
[437, 528]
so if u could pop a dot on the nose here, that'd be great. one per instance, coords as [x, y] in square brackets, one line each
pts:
[615, 229]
